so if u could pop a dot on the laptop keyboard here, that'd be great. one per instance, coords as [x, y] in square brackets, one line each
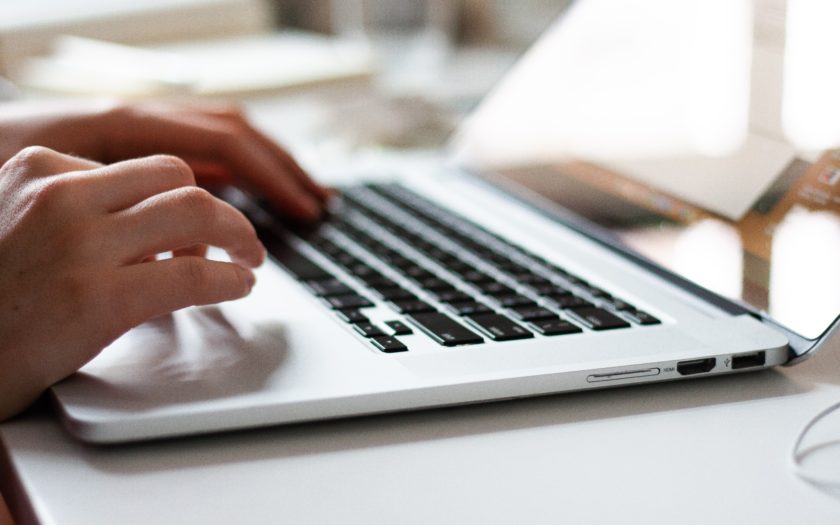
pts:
[449, 278]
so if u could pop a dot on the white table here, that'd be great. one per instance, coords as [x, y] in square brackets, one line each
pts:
[702, 451]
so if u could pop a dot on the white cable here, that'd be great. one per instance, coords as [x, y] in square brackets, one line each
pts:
[797, 456]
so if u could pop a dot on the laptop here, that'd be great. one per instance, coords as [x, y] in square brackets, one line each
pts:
[558, 252]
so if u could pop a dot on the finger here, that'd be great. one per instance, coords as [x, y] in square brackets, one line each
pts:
[214, 139]
[278, 178]
[320, 192]
[37, 161]
[210, 172]
[181, 218]
[197, 250]
[238, 118]
[124, 184]
[153, 289]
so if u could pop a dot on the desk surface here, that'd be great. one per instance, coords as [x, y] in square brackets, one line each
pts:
[704, 451]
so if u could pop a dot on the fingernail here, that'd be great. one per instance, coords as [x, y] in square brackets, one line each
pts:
[250, 279]
[311, 208]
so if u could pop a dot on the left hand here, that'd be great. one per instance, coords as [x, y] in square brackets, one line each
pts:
[212, 139]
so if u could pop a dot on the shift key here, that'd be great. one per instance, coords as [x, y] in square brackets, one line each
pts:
[444, 330]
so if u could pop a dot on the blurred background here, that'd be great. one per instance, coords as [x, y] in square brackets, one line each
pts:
[401, 71]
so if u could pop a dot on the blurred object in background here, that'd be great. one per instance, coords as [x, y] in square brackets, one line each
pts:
[28, 28]
[418, 33]
[512, 24]
[488, 22]
[229, 67]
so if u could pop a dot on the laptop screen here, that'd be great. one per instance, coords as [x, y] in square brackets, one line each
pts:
[705, 135]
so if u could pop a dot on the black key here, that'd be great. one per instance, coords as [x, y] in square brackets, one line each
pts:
[555, 327]
[598, 319]
[453, 296]
[386, 252]
[571, 301]
[368, 330]
[352, 316]
[494, 288]
[399, 328]
[512, 267]
[372, 278]
[498, 258]
[459, 267]
[470, 308]
[640, 317]
[443, 289]
[399, 261]
[576, 280]
[531, 313]
[379, 282]
[620, 305]
[300, 266]
[499, 327]
[344, 302]
[594, 291]
[413, 269]
[327, 247]
[396, 294]
[412, 306]
[361, 270]
[531, 279]
[559, 270]
[509, 301]
[438, 254]
[388, 345]
[556, 293]
[329, 288]
[434, 283]
[383, 284]
[549, 289]
[475, 276]
[444, 330]
[346, 259]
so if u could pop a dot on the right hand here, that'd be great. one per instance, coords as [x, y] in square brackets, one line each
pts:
[78, 242]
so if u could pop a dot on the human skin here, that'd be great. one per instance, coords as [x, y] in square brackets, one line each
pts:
[79, 234]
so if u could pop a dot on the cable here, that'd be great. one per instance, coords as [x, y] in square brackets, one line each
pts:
[797, 456]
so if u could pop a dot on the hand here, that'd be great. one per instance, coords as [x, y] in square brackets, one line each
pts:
[77, 245]
[212, 139]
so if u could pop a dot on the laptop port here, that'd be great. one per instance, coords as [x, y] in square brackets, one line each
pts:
[748, 360]
[695, 366]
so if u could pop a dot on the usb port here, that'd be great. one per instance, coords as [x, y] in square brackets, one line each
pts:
[695, 366]
[748, 360]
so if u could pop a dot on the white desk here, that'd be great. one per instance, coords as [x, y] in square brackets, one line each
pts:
[703, 451]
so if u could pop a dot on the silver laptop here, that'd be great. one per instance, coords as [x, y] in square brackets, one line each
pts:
[685, 245]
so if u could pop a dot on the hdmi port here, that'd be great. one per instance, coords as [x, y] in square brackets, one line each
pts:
[695, 366]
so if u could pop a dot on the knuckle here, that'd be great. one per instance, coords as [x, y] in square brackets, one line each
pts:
[34, 158]
[198, 201]
[196, 272]
[53, 194]
[175, 167]
[35, 153]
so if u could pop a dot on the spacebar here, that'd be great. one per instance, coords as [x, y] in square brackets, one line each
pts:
[444, 330]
